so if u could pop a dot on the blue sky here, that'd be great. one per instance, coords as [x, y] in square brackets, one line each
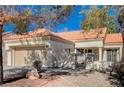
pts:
[72, 22]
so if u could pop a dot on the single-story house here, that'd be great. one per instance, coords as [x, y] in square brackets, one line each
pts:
[95, 45]
[40, 45]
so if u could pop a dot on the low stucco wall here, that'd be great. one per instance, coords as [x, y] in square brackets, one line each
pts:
[100, 66]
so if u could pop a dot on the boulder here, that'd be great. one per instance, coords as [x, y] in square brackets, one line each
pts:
[33, 74]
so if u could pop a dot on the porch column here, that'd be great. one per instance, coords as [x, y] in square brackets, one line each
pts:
[100, 54]
[75, 50]
[118, 59]
[105, 55]
[121, 53]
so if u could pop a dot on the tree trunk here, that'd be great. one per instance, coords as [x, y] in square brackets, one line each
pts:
[123, 44]
[1, 57]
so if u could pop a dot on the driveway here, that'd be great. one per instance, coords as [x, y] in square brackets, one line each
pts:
[94, 79]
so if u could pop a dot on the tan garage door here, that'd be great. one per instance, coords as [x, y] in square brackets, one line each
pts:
[25, 56]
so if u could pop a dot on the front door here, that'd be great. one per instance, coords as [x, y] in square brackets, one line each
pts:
[89, 55]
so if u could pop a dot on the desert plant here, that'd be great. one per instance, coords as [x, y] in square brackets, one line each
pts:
[119, 69]
[117, 73]
[37, 65]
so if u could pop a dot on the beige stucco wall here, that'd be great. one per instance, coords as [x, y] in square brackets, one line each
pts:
[58, 49]
[26, 42]
[89, 43]
[9, 62]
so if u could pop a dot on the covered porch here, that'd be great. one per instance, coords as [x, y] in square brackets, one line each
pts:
[98, 55]
[90, 55]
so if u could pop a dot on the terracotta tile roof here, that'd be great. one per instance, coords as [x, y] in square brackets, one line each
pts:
[6, 34]
[83, 35]
[114, 38]
[36, 33]
[99, 33]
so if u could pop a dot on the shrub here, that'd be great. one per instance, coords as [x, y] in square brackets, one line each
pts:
[37, 65]
[119, 69]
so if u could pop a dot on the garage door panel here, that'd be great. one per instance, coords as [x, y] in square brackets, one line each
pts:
[20, 56]
[26, 56]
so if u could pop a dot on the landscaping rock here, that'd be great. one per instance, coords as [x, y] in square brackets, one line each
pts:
[45, 75]
[33, 74]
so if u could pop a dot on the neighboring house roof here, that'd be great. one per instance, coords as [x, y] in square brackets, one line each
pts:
[98, 33]
[36, 33]
[114, 38]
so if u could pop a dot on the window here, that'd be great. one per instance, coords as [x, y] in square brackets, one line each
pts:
[112, 55]
[80, 51]
[89, 50]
